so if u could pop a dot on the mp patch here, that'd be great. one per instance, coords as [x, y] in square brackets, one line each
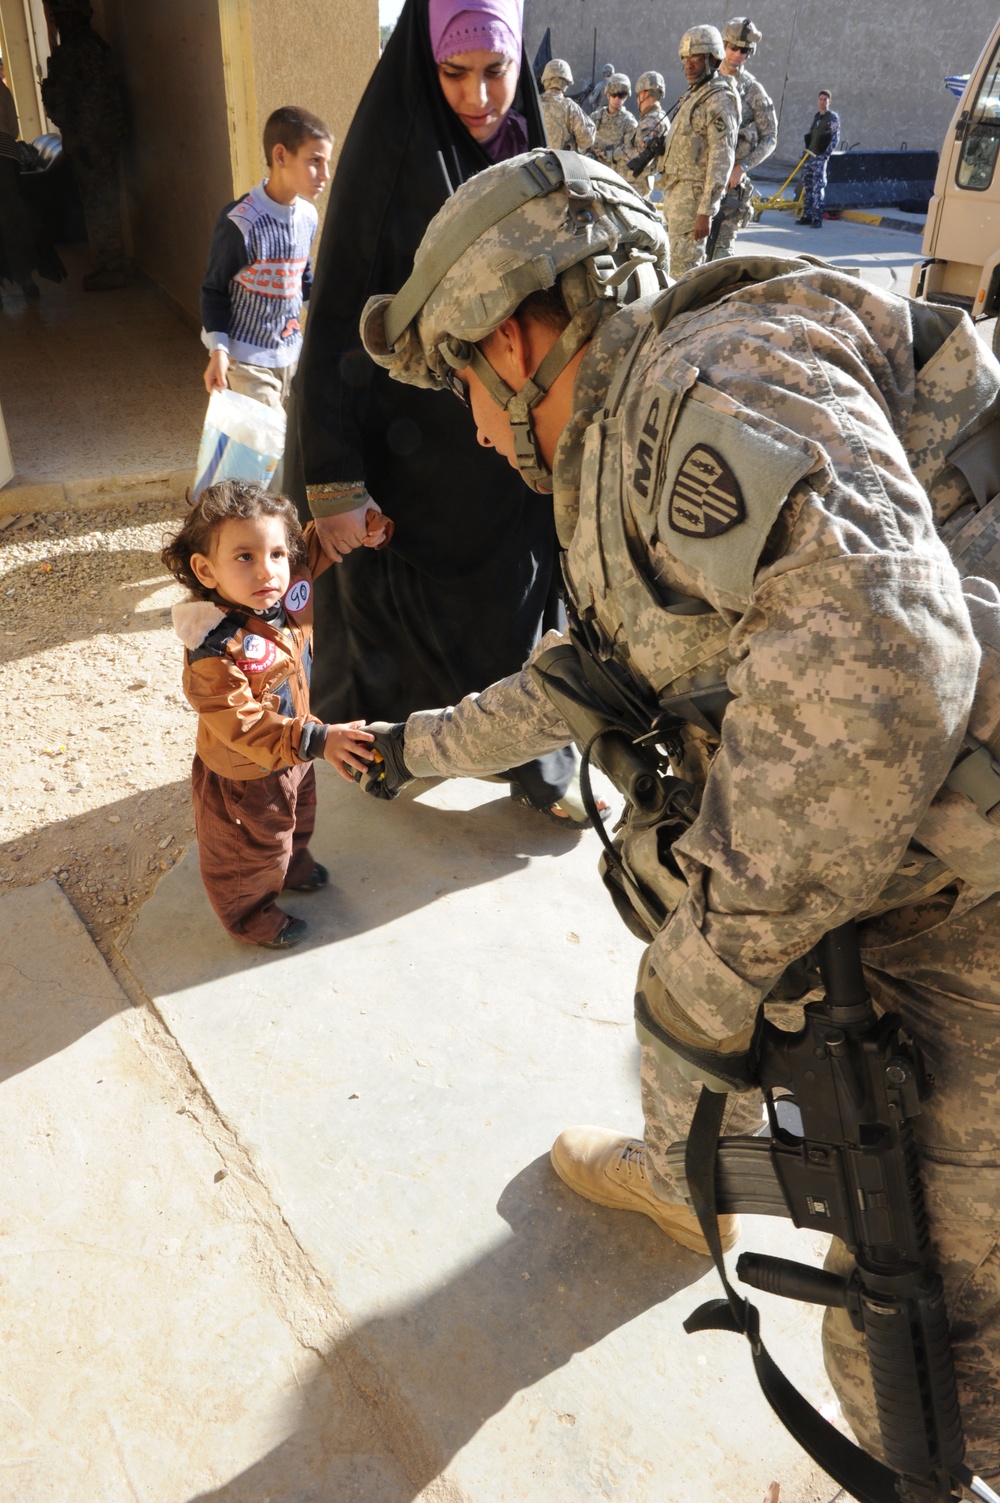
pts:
[706, 499]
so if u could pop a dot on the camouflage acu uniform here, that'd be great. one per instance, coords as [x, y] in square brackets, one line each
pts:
[695, 166]
[610, 132]
[597, 95]
[757, 138]
[758, 508]
[566, 126]
[654, 122]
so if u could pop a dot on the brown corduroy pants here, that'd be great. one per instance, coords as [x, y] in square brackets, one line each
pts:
[253, 839]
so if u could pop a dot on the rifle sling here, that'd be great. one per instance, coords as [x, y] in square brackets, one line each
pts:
[855, 1470]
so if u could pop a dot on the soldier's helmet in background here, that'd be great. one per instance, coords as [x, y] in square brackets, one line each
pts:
[702, 41]
[651, 83]
[741, 32]
[556, 72]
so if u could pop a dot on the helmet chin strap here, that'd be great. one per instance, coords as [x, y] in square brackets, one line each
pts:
[518, 404]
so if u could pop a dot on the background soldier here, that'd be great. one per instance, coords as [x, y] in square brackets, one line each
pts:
[596, 97]
[724, 539]
[758, 132]
[649, 92]
[700, 150]
[566, 126]
[822, 139]
[613, 123]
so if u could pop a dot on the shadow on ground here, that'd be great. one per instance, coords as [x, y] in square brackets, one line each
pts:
[568, 1275]
[385, 860]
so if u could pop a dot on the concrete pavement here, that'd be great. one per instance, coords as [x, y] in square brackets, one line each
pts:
[294, 1226]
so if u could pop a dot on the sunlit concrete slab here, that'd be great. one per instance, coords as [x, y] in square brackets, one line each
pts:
[464, 993]
[143, 1355]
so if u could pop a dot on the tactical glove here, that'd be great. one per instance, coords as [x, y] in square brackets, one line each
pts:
[388, 773]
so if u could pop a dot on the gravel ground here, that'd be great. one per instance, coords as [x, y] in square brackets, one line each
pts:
[95, 736]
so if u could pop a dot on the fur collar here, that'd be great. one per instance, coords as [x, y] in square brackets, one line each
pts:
[194, 619]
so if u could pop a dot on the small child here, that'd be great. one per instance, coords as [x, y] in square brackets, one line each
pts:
[247, 630]
[259, 272]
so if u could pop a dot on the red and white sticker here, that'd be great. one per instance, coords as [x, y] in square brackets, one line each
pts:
[297, 596]
[258, 654]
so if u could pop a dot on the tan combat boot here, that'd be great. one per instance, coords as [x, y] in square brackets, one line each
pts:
[610, 1169]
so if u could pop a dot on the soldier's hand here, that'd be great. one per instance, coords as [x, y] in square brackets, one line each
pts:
[702, 225]
[736, 176]
[388, 772]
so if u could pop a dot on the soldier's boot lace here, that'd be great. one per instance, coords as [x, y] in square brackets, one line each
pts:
[610, 1169]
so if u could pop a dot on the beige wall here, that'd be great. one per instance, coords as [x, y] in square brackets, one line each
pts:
[884, 64]
[179, 159]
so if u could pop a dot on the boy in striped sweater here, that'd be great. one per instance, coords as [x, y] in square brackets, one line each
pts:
[259, 270]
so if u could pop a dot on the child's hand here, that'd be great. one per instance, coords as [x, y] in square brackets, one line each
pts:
[346, 748]
[216, 371]
[378, 528]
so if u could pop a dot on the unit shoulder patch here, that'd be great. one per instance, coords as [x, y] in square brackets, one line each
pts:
[706, 498]
[726, 475]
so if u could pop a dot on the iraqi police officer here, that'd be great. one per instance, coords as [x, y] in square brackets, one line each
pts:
[566, 126]
[757, 137]
[822, 139]
[751, 473]
[699, 153]
[653, 124]
[613, 123]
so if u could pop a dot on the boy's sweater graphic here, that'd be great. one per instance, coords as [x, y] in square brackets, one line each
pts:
[259, 275]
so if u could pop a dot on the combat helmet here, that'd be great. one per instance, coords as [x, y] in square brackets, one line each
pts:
[544, 219]
[651, 83]
[556, 72]
[617, 83]
[741, 32]
[701, 41]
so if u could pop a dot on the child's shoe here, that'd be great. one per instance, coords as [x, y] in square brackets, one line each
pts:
[319, 877]
[291, 934]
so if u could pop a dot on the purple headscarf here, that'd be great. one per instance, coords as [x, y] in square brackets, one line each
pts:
[474, 25]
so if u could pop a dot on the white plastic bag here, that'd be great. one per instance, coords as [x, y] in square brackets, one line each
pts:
[241, 440]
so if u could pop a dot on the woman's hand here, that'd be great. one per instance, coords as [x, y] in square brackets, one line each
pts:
[340, 535]
[347, 748]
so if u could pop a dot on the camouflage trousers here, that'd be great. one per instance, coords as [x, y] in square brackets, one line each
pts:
[813, 188]
[730, 220]
[938, 964]
[680, 210]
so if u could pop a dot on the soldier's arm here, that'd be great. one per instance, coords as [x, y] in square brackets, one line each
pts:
[720, 155]
[582, 127]
[509, 723]
[854, 670]
[766, 120]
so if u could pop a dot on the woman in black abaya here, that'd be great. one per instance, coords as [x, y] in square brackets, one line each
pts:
[460, 596]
